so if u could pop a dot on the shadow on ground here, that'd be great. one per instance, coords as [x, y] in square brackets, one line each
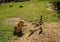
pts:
[19, 34]
[57, 8]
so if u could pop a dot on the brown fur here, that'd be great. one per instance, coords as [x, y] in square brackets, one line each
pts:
[19, 27]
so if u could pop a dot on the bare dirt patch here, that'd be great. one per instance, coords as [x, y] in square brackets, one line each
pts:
[13, 20]
[51, 33]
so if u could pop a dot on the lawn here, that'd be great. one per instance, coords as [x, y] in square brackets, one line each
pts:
[30, 11]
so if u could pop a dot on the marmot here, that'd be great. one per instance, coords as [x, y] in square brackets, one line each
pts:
[18, 29]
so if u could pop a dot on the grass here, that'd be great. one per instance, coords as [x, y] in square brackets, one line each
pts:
[30, 11]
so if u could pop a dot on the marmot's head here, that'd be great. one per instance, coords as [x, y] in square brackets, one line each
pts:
[21, 24]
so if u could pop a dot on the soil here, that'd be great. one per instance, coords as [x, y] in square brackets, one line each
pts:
[51, 31]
